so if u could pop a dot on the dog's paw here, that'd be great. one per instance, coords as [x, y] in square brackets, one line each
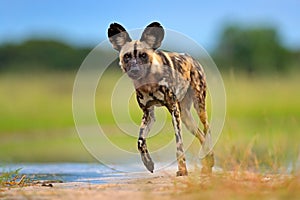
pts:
[148, 162]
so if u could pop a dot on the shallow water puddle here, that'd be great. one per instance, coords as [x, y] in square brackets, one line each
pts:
[91, 173]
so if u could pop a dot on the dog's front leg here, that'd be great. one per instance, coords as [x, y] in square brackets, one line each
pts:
[147, 122]
[176, 120]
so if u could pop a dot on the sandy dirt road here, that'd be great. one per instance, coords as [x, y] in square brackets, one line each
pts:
[244, 185]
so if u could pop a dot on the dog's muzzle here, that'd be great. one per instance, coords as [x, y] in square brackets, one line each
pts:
[135, 72]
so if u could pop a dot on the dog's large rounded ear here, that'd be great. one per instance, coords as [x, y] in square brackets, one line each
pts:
[118, 36]
[153, 35]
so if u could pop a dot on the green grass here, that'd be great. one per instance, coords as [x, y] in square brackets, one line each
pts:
[11, 178]
[35, 101]
[261, 128]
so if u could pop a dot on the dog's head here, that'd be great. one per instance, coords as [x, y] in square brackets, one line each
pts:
[136, 55]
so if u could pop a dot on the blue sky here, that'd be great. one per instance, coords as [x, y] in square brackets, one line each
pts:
[86, 22]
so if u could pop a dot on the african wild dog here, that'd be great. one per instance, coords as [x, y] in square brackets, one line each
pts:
[167, 79]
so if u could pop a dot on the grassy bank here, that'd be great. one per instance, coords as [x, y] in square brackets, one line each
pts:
[261, 128]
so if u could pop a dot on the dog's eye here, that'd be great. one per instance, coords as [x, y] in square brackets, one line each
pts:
[144, 56]
[127, 57]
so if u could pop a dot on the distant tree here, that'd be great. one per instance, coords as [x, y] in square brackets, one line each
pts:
[251, 50]
[41, 55]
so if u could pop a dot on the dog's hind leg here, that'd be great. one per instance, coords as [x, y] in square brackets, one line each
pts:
[147, 121]
[187, 118]
[208, 160]
[192, 126]
[199, 105]
[198, 85]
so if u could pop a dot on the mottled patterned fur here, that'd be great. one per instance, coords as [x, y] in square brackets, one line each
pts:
[168, 79]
